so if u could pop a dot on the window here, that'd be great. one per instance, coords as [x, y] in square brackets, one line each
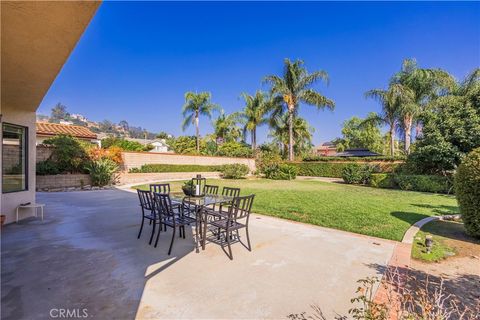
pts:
[14, 158]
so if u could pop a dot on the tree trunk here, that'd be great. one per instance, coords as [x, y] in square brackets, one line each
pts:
[197, 132]
[290, 133]
[408, 132]
[392, 140]
[254, 139]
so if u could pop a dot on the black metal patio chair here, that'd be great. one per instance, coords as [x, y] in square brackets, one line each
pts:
[171, 215]
[237, 218]
[160, 188]
[210, 190]
[148, 211]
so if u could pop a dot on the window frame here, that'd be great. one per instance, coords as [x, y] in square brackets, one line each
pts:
[26, 157]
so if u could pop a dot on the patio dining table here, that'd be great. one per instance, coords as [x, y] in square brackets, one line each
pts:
[199, 203]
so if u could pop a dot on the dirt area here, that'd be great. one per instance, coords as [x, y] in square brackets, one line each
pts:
[460, 272]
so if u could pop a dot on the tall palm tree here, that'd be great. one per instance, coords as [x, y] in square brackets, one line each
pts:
[302, 133]
[390, 100]
[226, 126]
[253, 115]
[295, 87]
[420, 87]
[197, 104]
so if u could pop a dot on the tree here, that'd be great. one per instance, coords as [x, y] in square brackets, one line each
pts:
[59, 112]
[162, 135]
[226, 127]
[253, 115]
[390, 100]
[361, 133]
[451, 128]
[301, 130]
[197, 104]
[124, 125]
[295, 87]
[419, 87]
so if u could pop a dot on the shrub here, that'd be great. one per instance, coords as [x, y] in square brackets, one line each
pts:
[47, 167]
[334, 169]
[266, 159]
[234, 171]
[467, 190]
[234, 149]
[124, 144]
[68, 154]
[149, 168]
[317, 158]
[382, 180]
[281, 171]
[102, 172]
[423, 183]
[357, 174]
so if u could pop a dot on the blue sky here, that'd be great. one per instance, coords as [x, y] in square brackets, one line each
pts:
[136, 60]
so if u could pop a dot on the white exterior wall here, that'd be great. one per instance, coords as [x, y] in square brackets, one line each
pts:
[10, 201]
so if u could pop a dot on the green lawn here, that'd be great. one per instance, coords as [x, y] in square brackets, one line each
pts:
[377, 212]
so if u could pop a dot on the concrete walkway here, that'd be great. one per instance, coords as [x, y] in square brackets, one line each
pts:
[86, 256]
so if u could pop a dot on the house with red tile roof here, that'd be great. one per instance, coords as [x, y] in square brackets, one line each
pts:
[46, 130]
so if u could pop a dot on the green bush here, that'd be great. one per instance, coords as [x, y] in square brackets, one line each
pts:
[281, 171]
[467, 190]
[102, 172]
[382, 180]
[234, 171]
[335, 169]
[124, 144]
[47, 167]
[317, 158]
[266, 159]
[149, 168]
[68, 154]
[234, 149]
[357, 174]
[423, 183]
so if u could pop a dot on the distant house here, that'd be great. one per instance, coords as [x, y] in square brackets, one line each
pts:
[47, 130]
[359, 152]
[326, 149]
[159, 145]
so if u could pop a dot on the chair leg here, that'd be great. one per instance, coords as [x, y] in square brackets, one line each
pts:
[150, 223]
[218, 233]
[229, 247]
[158, 234]
[248, 239]
[171, 242]
[153, 232]
[183, 232]
[141, 228]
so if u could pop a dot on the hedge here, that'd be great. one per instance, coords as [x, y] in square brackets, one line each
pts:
[314, 158]
[150, 168]
[422, 183]
[335, 169]
[467, 189]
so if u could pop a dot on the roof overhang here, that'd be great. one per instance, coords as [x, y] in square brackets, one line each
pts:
[36, 39]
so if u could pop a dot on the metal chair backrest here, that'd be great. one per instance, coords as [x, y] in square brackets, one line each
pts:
[164, 204]
[231, 192]
[241, 207]
[209, 189]
[146, 200]
[160, 188]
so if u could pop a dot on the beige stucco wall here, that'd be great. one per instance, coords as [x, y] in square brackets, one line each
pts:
[137, 159]
[9, 201]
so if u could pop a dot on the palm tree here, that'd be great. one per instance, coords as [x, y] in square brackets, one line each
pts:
[302, 133]
[197, 104]
[226, 127]
[390, 100]
[295, 87]
[420, 87]
[253, 115]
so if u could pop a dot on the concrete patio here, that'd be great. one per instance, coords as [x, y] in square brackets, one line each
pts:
[86, 255]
